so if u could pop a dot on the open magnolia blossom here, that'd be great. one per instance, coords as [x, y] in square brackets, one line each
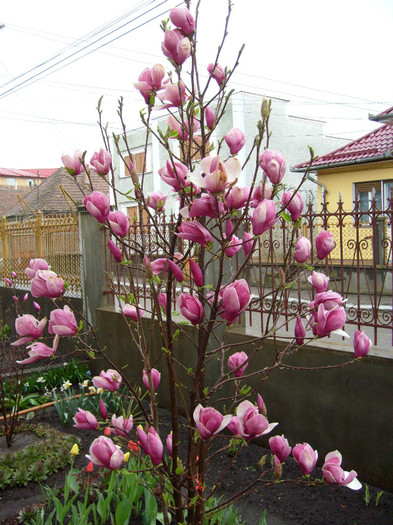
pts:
[335, 475]
[216, 175]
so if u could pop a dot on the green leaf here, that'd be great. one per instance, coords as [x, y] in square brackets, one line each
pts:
[123, 512]
[286, 216]
[80, 326]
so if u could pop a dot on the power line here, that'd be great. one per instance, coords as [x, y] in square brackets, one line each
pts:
[41, 73]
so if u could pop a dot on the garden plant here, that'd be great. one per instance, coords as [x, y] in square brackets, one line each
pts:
[196, 279]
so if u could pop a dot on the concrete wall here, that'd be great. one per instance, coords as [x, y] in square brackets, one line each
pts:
[349, 409]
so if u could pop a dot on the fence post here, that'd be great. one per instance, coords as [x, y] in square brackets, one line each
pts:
[92, 249]
[38, 234]
[5, 245]
[380, 235]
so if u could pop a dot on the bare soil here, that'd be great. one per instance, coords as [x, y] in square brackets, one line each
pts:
[286, 503]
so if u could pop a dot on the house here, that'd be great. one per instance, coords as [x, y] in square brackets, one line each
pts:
[359, 169]
[17, 179]
[59, 193]
[289, 134]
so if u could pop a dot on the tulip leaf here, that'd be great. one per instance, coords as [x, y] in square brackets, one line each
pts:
[123, 512]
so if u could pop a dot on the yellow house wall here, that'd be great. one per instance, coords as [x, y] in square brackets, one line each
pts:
[343, 179]
[21, 182]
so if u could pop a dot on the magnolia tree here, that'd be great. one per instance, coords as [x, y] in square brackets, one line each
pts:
[218, 220]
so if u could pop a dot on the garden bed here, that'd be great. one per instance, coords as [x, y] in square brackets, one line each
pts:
[285, 503]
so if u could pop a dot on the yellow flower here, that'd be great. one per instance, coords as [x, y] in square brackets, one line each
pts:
[92, 389]
[100, 390]
[75, 449]
[126, 457]
[86, 383]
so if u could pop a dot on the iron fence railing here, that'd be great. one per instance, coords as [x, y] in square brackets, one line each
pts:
[360, 267]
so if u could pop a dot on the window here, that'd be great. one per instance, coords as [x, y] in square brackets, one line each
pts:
[139, 160]
[364, 193]
[30, 183]
[133, 217]
[195, 151]
[387, 192]
[11, 182]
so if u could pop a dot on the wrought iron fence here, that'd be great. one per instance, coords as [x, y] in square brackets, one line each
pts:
[360, 267]
[54, 238]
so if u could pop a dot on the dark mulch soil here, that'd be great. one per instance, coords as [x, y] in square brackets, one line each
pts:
[286, 503]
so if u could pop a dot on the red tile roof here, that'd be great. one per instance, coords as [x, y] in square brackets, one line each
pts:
[29, 173]
[375, 146]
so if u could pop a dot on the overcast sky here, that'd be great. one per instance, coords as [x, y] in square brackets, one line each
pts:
[331, 59]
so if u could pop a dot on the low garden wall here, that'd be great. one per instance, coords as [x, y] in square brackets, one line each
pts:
[349, 409]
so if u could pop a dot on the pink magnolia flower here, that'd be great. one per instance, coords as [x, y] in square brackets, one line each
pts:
[302, 250]
[264, 217]
[149, 81]
[330, 300]
[151, 444]
[40, 351]
[73, 164]
[324, 322]
[261, 405]
[169, 443]
[175, 175]
[361, 344]
[195, 232]
[234, 300]
[176, 47]
[132, 311]
[62, 322]
[262, 192]
[29, 328]
[104, 453]
[121, 426]
[183, 130]
[247, 243]
[293, 203]
[115, 250]
[47, 284]
[238, 362]
[191, 308]
[209, 118]
[109, 380]
[196, 272]
[237, 197]
[324, 243]
[34, 266]
[182, 19]
[235, 140]
[300, 331]
[273, 164]
[26, 296]
[36, 306]
[155, 376]
[103, 409]
[280, 447]
[163, 265]
[205, 206]
[162, 300]
[218, 175]
[249, 423]
[305, 457]
[8, 281]
[217, 72]
[118, 223]
[335, 475]
[234, 246]
[98, 205]
[156, 200]
[319, 281]
[85, 419]
[101, 162]
[174, 94]
[14, 274]
[209, 421]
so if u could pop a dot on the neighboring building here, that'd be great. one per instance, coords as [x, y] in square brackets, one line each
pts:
[17, 179]
[358, 169]
[291, 135]
[59, 193]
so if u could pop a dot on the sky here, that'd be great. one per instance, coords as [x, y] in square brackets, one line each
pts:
[331, 60]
